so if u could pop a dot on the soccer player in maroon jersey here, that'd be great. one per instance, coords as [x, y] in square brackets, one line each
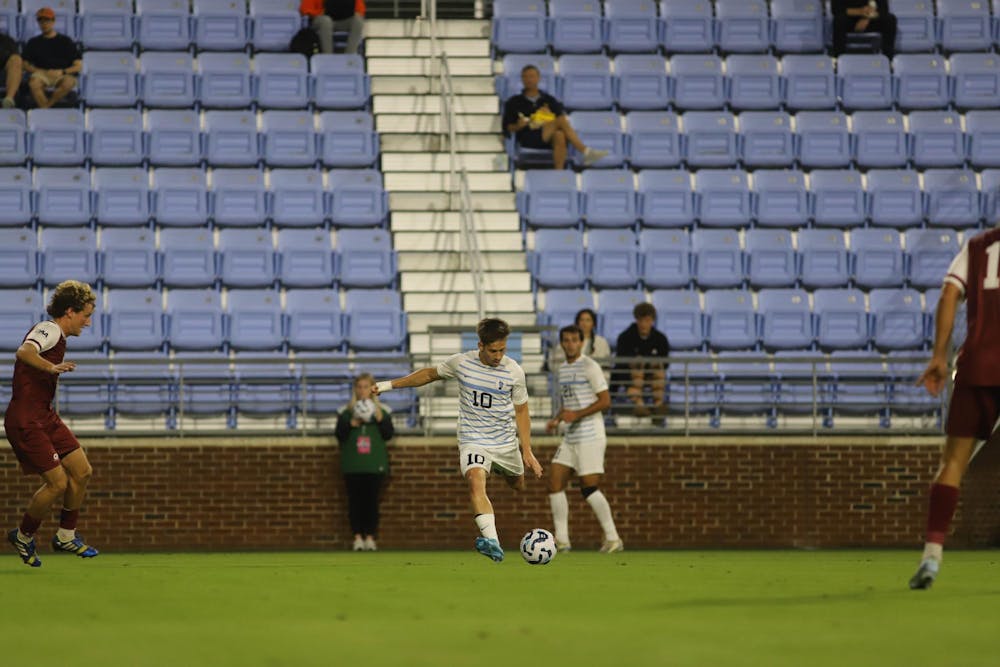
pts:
[974, 275]
[41, 441]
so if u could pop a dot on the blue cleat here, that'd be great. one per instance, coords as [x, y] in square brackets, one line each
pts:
[926, 574]
[75, 546]
[26, 550]
[489, 548]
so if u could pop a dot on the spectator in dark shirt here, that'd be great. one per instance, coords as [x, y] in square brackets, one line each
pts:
[538, 120]
[335, 15]
[52, 60]
[863, 16]
[10, 63]
[643, 339]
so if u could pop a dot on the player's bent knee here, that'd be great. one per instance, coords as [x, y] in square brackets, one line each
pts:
[587, 491]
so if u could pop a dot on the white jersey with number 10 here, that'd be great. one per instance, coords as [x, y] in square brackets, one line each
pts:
[487, 397]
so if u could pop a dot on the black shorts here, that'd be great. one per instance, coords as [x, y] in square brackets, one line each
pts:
[531, 139]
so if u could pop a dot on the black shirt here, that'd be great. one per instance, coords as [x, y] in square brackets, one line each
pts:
[8, 47]
[339, 10]
[57, 52]
[630, 344]
[519, 104]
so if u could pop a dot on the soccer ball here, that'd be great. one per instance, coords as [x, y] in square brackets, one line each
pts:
[538, 546]
[364, 409]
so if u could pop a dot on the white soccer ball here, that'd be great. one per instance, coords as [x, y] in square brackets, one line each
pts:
[538, 546]
[364, 409]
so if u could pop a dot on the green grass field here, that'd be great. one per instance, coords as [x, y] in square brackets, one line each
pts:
[435, 608]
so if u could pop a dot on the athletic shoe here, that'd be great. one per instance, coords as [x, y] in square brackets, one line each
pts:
[26, 550]
[370, 544]
[611, 546]
[359, 544]
[74, 546]
[926, 574]
[8, 103]
[592, 155]
[564, 546]
[490, 548]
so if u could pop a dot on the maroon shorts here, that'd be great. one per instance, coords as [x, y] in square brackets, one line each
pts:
[39, 443]
[973, 411]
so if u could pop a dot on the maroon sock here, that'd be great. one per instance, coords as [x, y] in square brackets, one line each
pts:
[29, 524]
[68, 519]
[944, 499]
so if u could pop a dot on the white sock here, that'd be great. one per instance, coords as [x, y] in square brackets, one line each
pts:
[65, 534]
[933, 550]
[487, 524]
[560, 516]
[21, 537]
[603, 511]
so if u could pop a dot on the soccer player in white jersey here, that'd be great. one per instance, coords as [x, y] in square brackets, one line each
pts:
[584, 393]
[493, 417]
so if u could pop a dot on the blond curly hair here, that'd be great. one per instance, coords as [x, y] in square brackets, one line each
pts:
[70, 295]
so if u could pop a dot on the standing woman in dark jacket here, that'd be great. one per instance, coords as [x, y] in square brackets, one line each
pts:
[364, 426]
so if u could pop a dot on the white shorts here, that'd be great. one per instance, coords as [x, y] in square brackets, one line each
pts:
[586, 458]
[505, 460]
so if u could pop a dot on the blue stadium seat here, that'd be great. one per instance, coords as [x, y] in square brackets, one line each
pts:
[238, 197]
[680, 317]
[129, 257]
[254, 319]
[771, 259]
[375, 319]
[206, 383]
[929, 253]
[742, 26]
[246, 258]
[63, 196]
[665, 256]
[709, 139]
[754, 82]
[991, 196]
[366, 258]
[609, 198]
[575, 27]
[688, 26]
[225, 80]
[305, 258]
[358, 198]
[732, 321]
[654, 139]
[794, 371]
[116, 137]
[519, 26]
[823, 139]
[809, 82]
[314, 319]
[10, 24]
[975, 80]
[936, 139]
[641, 81]
[698, 81]
[282, 80]
[267, 385]
[164, 25]
[786, 321]
[877, 258]
[232, 139]
[612, 258]
[718, 259]
[858, 383]
[16, 200]
[614, 311]
[906, 397]
[631, 26]
[745, 385]
[921, 81]
[296, 198]
[897, 319]
[180, 197]
[766, 139]
[952, 198]
[275, 22]
[135, 319]
[722, 197]
[601, 130]
[18, 258]
[22, 310]
[348, 138]
[550, 199]
[220, 25]
[109, 79]
[965, 25]
[57, 137]
[558, 258]
[194, 319]
[797, 26]
[983, 134]
[666, 198]
[68, 254]
[779, 198]
[175, 138]
[561, 305]
[584, 82]
[289, 139]
[894, 198]
[825, 262]
[141, 386]
[841, 318]
[340, 81]
[879, 139]
[121, 196]
[87, 391]
[13, 137]
[509, 83]
[66, 18]
[168, 79]
[864, 81]
[915, 24]
[189, 258]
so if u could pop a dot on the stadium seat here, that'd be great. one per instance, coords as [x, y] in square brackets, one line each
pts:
[135, 319]
[509, 83]
[238, 197]
[358, 198]
[641, 81]
[718, 259]
[16, 200]
[722, 197]
[66, 18]
[754, 82]
[13, 137]
[281, 80]
[129, 257]
[771, 260]
[742, 26]
[766, 139]
[897, 319]
[796, 392]
[168, 79]
[654, 139]
[745, 385]
[698, 81]
[936, 139]
[612, 258]
[786, 321]
[561, 305]
[164, 25]
[894, 198]
[268, 384]
[348, 139]
[254, 319]
[841, 318]
[339, 81]
[366, 258]
[575, 27]
[906, 397]
[584, 82]
[194, 319]
[116, 137]
[709, 139]
[10, 24]
[314, 319]
[296, 198]
[609, 198]
[732, 321]
[558, 258]
[275, 22]
[991, 196]
[983, 135]
[550, 199]
[615, 310]
[109, 79]
[825, 262]
[225, 80]
[143, 386]
[688, 26]
[921, 81]
[915, 24]
[859, 385]
[809, 82]
[180, 197]
[206, 383]
[975, 80]
[965, 25]
[824, 140]
[375, 319]
[87, 391]
[57, 137]
[305, 258]
[220, 25]
[680, 317]
[22, 310]
[246, 258]
[63, 196]
[877, 258]
[601, 130]
[189, 258]
[779, 198]
[121, 196]
[864, 81]
[879, 139]
[232, 139]
[631, 26]
[666, 198]
[929, 253]
[175, 138]
[68, 254]
[952, 198]
[797, 26]
[665, 257]
[519, 26]
[18, 259]
[289, 139]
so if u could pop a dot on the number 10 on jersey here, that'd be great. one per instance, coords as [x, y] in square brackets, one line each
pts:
[482, 399]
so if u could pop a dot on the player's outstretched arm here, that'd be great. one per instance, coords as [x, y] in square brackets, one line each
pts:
[935, 375]
[523, 420]
[414, 379]
[28, 354]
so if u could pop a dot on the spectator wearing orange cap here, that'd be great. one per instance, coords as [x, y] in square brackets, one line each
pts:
[52, 60]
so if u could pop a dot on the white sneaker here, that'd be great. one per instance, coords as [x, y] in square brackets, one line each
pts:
[370, 544]
[564, 546]
[611, 546]
[592, 155]
[359, 544]
[8, 103]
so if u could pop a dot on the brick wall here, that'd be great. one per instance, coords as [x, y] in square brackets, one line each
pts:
[285, 493]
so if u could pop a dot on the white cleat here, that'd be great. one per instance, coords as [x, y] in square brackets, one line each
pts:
[611, 546]
[564, 546]
[926, 574]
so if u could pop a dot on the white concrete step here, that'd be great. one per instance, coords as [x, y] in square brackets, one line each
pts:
[426, 66]
[411, 104]
[454, 261]
[452, 28]
[442, 201]
[450, 221]
[427, 162]
[435, 143]
[466, 302]
[491, 181]
[414, 282]
[408, 85]
[432, 241]
[408, 47]
[430, 123]
[417, 322]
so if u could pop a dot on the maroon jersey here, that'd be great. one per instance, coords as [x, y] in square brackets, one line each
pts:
[33, 389]
[976, 271]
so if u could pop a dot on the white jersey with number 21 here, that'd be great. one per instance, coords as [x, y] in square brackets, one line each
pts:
[487, 397]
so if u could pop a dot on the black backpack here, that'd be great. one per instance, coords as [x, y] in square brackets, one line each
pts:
[305, 42]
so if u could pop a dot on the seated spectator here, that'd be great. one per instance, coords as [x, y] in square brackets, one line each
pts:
[642, 339]
[594, 346]
[52, 60]
[538, 120]
[10, 63]
[329, 16]
[863, 16]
